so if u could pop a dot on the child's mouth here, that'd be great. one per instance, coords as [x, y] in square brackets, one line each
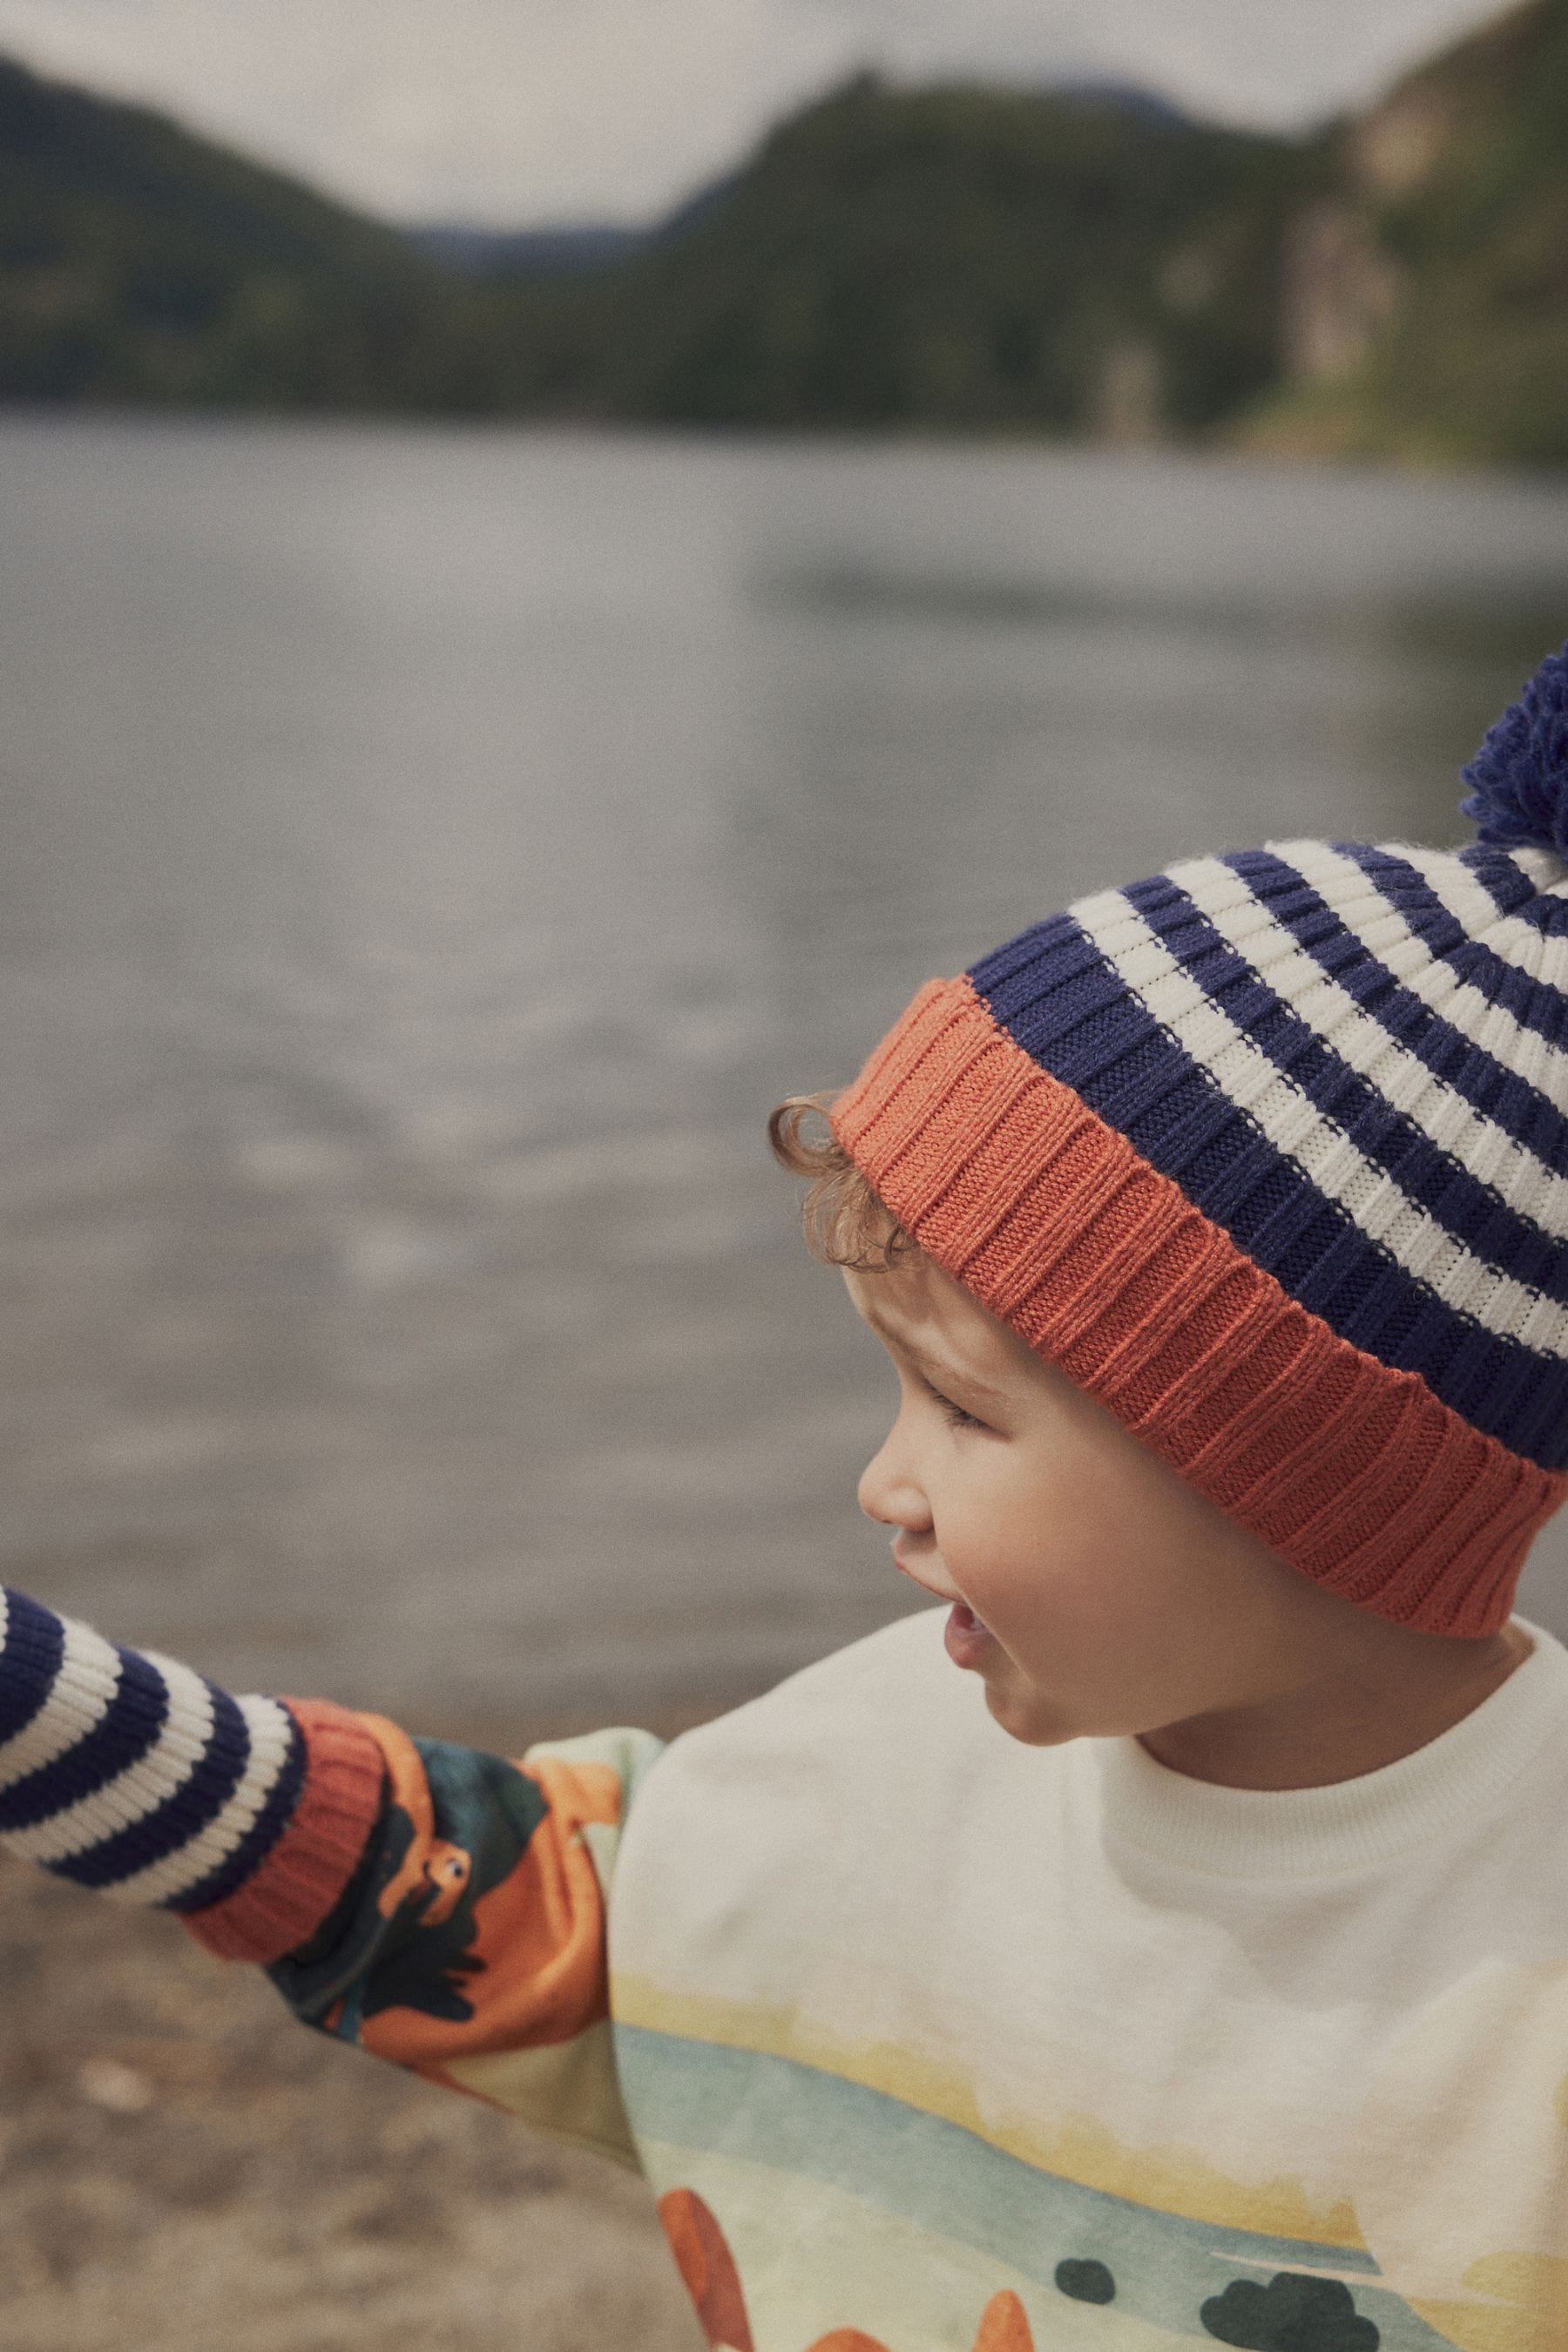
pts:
[965, 1636]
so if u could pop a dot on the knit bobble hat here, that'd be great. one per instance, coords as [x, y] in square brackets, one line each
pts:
[1270, 1153]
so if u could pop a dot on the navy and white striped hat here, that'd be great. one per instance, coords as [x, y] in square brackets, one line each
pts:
[1271, 1153]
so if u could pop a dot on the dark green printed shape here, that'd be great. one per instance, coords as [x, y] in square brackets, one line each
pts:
[1291, 2314]
[369, 1962]
[1085, 2281]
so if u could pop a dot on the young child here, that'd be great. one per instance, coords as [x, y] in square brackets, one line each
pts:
[1173, 1946]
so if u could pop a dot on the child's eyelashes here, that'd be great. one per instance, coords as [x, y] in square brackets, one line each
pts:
[953, 1415]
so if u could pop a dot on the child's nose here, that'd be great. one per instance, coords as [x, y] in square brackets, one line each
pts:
[886, 1492]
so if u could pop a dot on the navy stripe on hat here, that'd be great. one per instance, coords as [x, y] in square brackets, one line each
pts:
[1072, 1011]
[1468, 1209]
[1533, 1002]
[1453, 1057]
[1512, 890]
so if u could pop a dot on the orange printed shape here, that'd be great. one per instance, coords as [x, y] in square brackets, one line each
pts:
[536, 1971]
[1006, 2326]
[708, 2271]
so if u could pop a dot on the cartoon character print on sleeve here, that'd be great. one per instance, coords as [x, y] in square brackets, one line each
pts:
[476, 1924]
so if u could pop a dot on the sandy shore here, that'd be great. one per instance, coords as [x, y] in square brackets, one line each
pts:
[184, 2167]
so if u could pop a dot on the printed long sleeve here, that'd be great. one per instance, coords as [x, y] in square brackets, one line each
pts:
[443, 1908]
[471, 1945]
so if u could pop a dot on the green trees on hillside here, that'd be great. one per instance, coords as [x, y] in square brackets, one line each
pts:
[947, 259]
[958, 257]
[137, 263]
[1458, 179]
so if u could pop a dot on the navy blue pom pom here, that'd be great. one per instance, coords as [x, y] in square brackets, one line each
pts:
[1518, 778]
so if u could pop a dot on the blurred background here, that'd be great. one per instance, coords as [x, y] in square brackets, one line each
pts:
[557, 563]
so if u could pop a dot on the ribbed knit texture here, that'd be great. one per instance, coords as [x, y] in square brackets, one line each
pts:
[1353, 1059]
[290, 1892]
[130, 1774]
[1271, 1151]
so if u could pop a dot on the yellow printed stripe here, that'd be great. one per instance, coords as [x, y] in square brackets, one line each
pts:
[1173, 2181]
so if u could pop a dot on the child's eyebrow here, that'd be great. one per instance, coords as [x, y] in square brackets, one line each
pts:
[949, 1372]
[941, 1369]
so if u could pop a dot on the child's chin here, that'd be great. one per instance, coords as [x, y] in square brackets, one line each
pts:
[1025, 1717]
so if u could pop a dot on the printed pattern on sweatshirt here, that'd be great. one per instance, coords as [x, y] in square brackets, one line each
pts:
[881, 2189]
[823, 2193]
[920, 2050]
[1003, 2066]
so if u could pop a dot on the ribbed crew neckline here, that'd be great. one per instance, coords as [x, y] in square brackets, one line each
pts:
[1349, 1824]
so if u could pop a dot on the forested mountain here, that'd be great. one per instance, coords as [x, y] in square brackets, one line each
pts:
[139, 263]
[1431, 289]
[1082, 261]
[953, 258]
[1086, 261]
[527, 251]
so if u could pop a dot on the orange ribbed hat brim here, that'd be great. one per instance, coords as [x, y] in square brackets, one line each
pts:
[1355, 1472]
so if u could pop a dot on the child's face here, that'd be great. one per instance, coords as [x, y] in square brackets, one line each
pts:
[1096, 1591]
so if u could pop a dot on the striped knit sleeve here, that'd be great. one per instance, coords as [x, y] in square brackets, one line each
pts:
[126, 1773]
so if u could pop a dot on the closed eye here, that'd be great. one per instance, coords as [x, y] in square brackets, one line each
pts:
[954, 1414]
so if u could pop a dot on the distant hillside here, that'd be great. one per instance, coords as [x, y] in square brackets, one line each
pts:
[1131, 97]
[525, 252]
[957, 257]
[1083, 261]
[1430, 293]
[138, 262]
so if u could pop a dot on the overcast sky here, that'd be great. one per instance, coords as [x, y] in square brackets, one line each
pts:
[509, 112]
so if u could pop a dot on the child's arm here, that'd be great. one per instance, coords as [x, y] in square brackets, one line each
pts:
[443, 1908]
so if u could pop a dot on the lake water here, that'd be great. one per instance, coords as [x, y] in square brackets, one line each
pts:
[427, 857]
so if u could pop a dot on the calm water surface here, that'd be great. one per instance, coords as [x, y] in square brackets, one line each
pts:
[427, 857]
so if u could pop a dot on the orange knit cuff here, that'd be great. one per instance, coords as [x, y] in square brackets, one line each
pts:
[286, 1898]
